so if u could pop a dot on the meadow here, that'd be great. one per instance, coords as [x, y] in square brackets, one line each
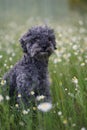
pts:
[68, 76]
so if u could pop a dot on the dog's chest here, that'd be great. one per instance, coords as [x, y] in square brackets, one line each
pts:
[27, 77]
[30, 76]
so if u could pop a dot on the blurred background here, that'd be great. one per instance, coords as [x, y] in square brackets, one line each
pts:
[22, 10]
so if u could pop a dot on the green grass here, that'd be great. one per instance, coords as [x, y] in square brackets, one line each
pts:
[68, 72]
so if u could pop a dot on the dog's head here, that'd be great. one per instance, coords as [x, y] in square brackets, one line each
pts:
[38, 41]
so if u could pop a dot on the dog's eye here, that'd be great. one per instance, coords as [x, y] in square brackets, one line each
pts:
[49, 39]
[36, 39]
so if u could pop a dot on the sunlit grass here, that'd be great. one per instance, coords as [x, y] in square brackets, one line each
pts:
[68, 74]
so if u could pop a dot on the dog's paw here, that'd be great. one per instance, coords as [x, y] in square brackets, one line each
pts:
[44, 107]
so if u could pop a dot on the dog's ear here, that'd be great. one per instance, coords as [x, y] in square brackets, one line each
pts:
[24, 40]
[52, 37]
[23, 45]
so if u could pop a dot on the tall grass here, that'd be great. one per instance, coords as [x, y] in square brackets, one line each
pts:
[68, 74]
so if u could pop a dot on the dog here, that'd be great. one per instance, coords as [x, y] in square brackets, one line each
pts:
[29, 78]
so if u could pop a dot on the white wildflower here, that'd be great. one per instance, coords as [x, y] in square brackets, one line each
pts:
[11, 66]
[82, 30]
[45, 107]
[28, 110]
[10, 58]
[34, 108]
[13, 54]
[66, 89]
[59, 60]
[38, 98]
[75, 80]
[79, 58]
[32, 93]
[71, 95]
[1, 56]
[73, 125]
[21, 123]
[55, 61]
[1, 98]
[86, 79]
[5, 65]
[17, 105]
[25, 112]
[75, 53]
[86, 61]
[80, 22]
[19, 95]
[75, 47]
[59, 113]
[83, 128]
[3, 82]
[65, 121]
[60, 35]
[7, 98]
[76, 89]
[83, 64]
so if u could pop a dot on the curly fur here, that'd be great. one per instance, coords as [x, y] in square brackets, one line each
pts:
[31, 72]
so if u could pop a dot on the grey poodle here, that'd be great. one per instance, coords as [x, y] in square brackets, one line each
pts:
[29, 78]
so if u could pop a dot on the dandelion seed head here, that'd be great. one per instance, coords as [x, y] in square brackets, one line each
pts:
[45, 107]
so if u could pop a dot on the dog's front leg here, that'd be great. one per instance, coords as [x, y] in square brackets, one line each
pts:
[44, 101]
